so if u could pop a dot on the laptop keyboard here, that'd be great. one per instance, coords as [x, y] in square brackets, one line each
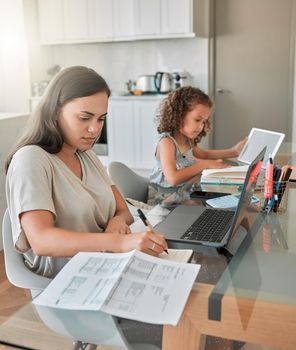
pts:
[211, 226]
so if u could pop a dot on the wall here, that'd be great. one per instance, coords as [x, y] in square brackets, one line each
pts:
[294, 104]
[10, 128]
[14, 68]
[119, 62]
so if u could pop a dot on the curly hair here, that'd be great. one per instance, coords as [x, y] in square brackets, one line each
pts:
[176, 105]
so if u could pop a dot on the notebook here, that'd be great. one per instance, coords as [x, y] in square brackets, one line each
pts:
[257, 139]
[194, 225]
[180, 255]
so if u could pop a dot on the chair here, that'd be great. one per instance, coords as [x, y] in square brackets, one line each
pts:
[90, 327]
[130, 184]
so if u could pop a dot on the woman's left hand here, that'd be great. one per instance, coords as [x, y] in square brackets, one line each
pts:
[117, 225]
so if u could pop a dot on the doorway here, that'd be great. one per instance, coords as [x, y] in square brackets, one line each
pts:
[253, 51]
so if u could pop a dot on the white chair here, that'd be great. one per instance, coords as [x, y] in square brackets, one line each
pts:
[90, 327]
[130, 184]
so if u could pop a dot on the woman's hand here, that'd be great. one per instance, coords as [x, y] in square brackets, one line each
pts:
[147, 242]
[117, 225]
[238, 147]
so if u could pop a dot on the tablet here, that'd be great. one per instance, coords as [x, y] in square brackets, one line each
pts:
[257, 139]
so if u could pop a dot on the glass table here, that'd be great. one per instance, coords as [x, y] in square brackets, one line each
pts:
[254, 299]
[251, 298]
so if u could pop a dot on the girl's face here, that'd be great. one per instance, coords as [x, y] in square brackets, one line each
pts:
[82, 119]
[194, 121]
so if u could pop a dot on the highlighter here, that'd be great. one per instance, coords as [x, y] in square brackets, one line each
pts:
[268, 183]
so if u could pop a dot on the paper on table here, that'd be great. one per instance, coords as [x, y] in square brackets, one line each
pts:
[133, 285]
[180, 255]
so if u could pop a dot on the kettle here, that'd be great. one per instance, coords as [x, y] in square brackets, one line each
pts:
[163, 82]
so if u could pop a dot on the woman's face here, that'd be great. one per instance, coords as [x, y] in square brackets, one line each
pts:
[82, 119]
[194, 121]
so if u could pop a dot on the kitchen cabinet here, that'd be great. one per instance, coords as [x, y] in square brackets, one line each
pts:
[80, 21]
[147, 17]
[51, 21]
[76, 20]
[123, 19]
[131, 129]
[176, 17]
[101, 20]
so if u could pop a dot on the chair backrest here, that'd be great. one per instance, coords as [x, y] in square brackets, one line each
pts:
[87, 326]
[130, 184]
[17, 273]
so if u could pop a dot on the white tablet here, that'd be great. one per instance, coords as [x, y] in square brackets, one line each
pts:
[257, 139]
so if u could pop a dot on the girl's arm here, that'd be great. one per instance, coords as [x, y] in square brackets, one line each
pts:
[219, 153]
[122, 218]
[48, 240]
[167, 154]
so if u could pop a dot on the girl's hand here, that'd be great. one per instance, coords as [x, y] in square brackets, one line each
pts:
[239, 146]
[147, 242]
[117, 225]
[215, 164]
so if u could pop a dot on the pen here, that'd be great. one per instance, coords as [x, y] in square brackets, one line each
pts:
[268, 184]
[283, 184]
[147, 223]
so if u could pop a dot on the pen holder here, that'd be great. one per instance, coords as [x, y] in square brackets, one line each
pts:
[279, 199]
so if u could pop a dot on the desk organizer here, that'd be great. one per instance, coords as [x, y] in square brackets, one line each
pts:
[279, 199]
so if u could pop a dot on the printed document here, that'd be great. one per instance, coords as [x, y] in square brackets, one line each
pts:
[132, 285]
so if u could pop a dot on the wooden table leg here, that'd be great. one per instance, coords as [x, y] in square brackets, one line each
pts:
[184, 336]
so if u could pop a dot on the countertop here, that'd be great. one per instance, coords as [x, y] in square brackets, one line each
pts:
[121, 96]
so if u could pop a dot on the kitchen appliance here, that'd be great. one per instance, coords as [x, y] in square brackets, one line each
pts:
[181, 78]
[163, 82]
[145, 83]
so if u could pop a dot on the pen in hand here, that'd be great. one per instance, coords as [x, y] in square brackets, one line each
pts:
[147, 223]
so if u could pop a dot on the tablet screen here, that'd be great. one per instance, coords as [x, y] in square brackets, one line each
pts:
[258, 139]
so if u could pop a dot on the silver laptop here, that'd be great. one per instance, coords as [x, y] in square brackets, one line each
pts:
[188, 225]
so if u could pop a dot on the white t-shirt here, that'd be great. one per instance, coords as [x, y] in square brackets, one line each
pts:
[38, 180]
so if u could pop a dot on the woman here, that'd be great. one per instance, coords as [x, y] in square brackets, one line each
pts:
[59, 195]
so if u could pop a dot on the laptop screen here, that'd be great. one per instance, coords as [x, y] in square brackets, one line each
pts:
[247, 192]
[257, 139]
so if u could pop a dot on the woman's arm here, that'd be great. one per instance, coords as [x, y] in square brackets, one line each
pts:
[234, 151]
[167, 155]
[122, 218]
[48, 240]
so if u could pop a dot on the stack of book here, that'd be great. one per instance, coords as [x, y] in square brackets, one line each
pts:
[227, 176]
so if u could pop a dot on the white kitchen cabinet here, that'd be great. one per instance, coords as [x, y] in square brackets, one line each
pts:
[147, 17]
[80, 21]
[120, 131]
[100, 20]
[76, 20]
[146, 134]
[51, 21]
[132, 133]
[123, 17]
[176, 17]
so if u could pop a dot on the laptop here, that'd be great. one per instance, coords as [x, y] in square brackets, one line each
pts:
[257, 139]
[189, 225]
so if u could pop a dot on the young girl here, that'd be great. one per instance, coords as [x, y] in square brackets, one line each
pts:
[183, 119]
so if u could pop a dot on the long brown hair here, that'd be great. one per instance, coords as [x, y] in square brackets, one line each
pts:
[176, 105]
[69, 84]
